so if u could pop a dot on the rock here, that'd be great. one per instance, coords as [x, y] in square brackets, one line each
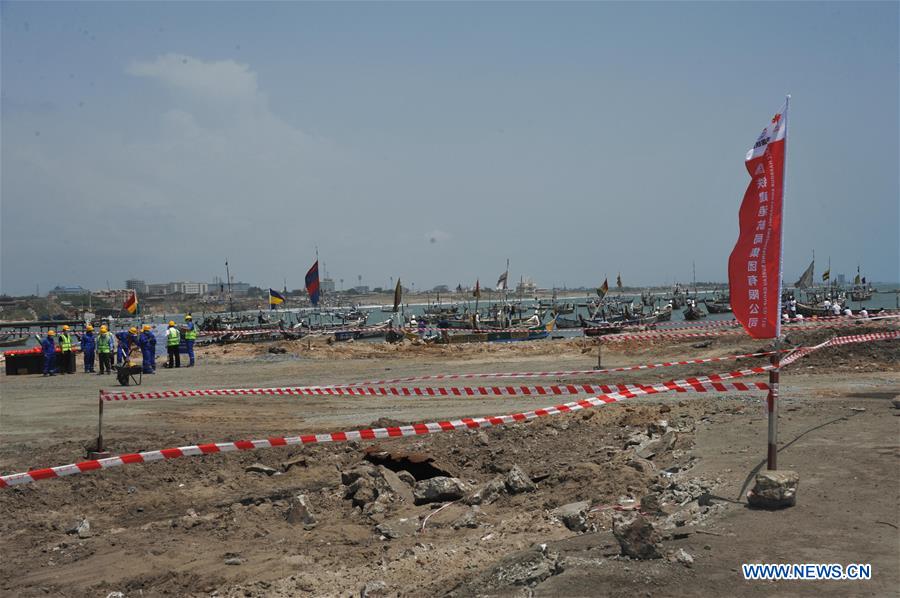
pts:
[82, 529]
[397, 485]
[468, 519]
[299, 512]
[650, 503]
[664, 409]
[517, 482]
[658, 427]
[438, 489]
[277, 350]
[115, 595]
[527, 568]
[487, 493]
[295, 461]
[361, 492]
[642, 465]
[360, 471]
[398, 528]
[233, 561]
[260, 468]
[659, 445]
[637, 537]
[637, 438]
[684, 558]
[373, 588]
[573, 515]
[407, 478]
[896, 402]
[774, 490]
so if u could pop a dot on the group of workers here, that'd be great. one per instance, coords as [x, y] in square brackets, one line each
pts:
[105, 344]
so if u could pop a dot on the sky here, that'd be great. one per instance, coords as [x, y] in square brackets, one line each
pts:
[434, 141]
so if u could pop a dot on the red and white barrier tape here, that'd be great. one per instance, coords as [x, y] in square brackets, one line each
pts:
[366, 434]
[556, 374]
[446, 391]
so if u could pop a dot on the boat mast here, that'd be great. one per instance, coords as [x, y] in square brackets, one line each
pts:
[230, 295]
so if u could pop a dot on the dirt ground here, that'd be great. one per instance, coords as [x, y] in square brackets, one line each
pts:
[207, 526]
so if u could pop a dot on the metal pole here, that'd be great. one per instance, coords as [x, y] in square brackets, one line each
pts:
[100, 423]
[599, 352]
[772, 408]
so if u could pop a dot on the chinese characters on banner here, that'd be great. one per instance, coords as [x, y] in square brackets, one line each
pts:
[754, 267]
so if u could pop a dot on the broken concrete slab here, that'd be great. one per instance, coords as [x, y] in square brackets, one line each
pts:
[774, 490]
[438, 489]
[517, 481]
[299, 512]
[487, 493]
[573, 515]
[637, 536]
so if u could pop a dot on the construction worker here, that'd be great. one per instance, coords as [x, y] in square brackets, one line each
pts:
[88, 347]
[147, 342]
[190, 335]
[48, 348]
[173, 340]
[66, 357]
[105, 342]
[126, 339]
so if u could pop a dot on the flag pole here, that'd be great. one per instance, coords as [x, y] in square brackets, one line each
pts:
[775, 372]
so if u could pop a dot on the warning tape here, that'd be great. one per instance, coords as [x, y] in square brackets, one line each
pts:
[447, 391]
[366, 434]
[557, 374]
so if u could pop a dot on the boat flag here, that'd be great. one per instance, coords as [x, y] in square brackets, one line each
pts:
[131, 303]
[398, 294]
[275, 298]
[312, 283]
[501, 282]
[477, 292]
[603, 289]
[857, 279]
[754, 267]
[619, 280]
[806, 279]
[826, 275]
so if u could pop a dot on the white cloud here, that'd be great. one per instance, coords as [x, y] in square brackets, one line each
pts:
[211, 81]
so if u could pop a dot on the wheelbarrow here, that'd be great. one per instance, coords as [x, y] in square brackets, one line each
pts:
[126, 374]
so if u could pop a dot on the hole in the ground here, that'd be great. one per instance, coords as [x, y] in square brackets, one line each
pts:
[422, 466]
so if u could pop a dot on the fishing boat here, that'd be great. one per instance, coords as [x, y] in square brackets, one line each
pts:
[692, 312]
[593, 327]
[13, 341]
[664, 314]
[717, 306]
[566, 323]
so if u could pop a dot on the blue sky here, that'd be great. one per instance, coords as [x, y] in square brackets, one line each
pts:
[431, 141]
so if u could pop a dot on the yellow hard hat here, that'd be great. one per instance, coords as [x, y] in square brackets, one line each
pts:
[146, 327]
[171, 322]
[103, 328]
[132, 330]
[89, 328]
[188, 317]
[51, 332]
[65, 327]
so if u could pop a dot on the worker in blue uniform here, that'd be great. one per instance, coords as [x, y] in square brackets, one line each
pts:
[190, 335]
[48, 348]
[126, 339]
[147, 342]
[88, 347]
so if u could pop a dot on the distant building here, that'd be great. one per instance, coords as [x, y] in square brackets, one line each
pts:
[361, 289]
[526, 285]
[136, 285]
[326, 285]
[158, 289]
[60, 291]
[841, 279]
[441, 288]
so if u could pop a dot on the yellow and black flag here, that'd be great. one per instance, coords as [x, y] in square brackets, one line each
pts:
[603, 289]
[826, 275]
[275, 298]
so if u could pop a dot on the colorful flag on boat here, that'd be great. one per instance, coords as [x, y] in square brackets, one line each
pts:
[754, 267]
[619, 280]
[477, 292]
[603, 289]
[826, 275]
[131, 303]
[275, 298]
[398, 295]
[312, 283]
[501, 282]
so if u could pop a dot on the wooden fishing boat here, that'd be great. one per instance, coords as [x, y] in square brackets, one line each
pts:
[717, 307]
[665, 314]
[13, 341]
[692, 312]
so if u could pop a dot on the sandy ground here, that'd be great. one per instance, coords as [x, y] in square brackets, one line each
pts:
[169, 528]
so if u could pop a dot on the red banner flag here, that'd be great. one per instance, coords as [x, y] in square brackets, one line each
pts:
[754, 267]
[131, 303]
